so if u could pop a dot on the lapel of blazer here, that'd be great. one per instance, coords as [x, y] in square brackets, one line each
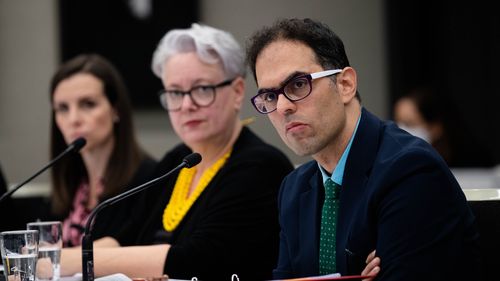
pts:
[308, 233]
[358, 166]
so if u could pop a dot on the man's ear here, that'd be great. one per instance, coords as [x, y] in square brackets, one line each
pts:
[347, 84]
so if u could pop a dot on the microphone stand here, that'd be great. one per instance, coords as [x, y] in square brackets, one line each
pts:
[87, 243]
[76, 145]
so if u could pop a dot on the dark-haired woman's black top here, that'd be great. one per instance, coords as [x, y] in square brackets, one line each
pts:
[115, 220]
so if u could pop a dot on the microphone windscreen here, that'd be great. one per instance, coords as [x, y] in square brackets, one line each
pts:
[192, 159]
[78, 144]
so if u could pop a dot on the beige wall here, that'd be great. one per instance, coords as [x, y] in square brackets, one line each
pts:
[29, 53]
[28, 56]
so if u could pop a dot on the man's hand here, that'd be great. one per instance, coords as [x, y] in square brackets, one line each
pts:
[372, 266]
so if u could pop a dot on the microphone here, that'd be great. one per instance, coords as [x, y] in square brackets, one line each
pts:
[74, 146]
[189, 161]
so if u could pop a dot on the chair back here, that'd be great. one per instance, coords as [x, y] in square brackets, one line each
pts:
[485, 204]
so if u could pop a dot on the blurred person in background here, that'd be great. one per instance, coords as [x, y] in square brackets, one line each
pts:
[89, 99]
[424, 113]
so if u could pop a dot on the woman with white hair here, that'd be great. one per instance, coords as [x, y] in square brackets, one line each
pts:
[220, 217]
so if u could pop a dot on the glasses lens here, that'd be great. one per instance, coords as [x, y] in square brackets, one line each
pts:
[266, 102]
[171, 100]
[298, 88]
[203, 96]
[163, 96]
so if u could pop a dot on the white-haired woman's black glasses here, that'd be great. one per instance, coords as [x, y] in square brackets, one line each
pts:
[201, 95]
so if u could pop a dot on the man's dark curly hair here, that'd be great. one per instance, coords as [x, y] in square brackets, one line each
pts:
[326, 45]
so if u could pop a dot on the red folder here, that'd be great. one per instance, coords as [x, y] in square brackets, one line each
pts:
[327, 277]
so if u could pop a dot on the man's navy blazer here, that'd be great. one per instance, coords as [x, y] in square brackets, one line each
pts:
[398, 196]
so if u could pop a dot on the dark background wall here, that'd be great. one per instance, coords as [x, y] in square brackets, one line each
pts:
[453, 47]
[125, 35]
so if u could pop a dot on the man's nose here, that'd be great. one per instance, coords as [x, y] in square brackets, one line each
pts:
[284, 105]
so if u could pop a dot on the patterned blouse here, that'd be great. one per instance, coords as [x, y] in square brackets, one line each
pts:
[74, 224]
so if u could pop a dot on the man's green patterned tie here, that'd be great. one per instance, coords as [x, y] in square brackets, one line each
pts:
[327, 242]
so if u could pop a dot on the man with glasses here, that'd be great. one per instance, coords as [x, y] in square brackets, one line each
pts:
[371, 185]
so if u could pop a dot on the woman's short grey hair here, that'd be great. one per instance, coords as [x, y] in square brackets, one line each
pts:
[212, 46]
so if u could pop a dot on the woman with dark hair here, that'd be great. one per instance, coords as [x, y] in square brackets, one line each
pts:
[89, 99]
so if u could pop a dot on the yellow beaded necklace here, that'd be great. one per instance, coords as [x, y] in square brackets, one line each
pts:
[180, 203]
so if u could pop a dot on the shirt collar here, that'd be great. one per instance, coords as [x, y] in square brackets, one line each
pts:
[338, 174]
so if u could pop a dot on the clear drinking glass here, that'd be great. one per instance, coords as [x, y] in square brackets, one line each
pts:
[19, 254]
[49, 249]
